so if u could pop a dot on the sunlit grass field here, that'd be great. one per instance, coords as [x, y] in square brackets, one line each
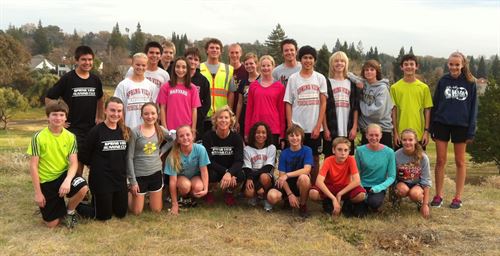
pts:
[244, 230]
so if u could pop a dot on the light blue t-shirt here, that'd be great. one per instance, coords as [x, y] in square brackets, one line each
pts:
[190, 164]
[377, 169]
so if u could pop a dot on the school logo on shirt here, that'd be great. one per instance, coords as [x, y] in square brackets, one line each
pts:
[149, 148]
[368, 97]
[222, 151]
[178, 91]
[455, 92]
[308, 94]
[155, 81]
[114, 145]
[83, 92]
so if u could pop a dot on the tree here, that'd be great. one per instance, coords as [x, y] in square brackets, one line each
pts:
[116, 40]
[337, 47]
[396, 69]
[486, 146]
[137, 41]
[42, 45]
[322, 62]
[495, 69]
[11, 100]
[14, 61]
[411, 50]
[42, 81]
[481, 68]
[273, 43]
[472, 66]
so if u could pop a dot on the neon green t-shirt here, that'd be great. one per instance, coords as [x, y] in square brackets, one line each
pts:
[53, 151]
[411, 99]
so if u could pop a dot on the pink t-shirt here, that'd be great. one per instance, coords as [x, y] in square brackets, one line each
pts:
[266, 104]
[179, 103]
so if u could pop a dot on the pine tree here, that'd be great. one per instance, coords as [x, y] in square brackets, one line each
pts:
[337, 47]
[345, 47]
[481, 68]
[396, 69]
[116, 39]
[137, 41]
[273, 43]
[369, 55]
[41, 40]
[495, 69]
[360, 49]
[472, 66]
[486, 144]
[322, 62]
[375, 54]
[411, 51]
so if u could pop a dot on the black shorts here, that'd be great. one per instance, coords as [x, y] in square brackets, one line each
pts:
[107, 204]
[151, 183]
[443, 132]
[314, 144]
[214, 176]
[80, 140]
[55, 206]
[386, 139]
[328, 150]
[292, 184]
[256, 181]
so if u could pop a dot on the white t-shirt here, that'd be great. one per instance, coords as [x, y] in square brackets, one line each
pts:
[304, 96]
[282, 73]
[257, 158]
[157, 77]
[341, 92]
[134, 95]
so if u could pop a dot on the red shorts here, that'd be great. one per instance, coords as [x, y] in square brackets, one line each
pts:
[336, 188]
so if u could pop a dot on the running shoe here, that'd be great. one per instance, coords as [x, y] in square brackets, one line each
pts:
[437, 201]
[456, 203]
[70, 220]
[229, 199]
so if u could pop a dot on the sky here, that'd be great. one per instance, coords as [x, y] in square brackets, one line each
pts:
[431, 27]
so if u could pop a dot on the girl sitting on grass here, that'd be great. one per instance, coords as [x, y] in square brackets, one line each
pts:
[413, 172]
[259, 157]
[187, 167]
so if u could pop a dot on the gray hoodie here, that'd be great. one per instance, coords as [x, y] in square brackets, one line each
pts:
[375, 104]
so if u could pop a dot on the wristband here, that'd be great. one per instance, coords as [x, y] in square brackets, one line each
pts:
[289, 194]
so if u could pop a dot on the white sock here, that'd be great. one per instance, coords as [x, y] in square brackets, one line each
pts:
[70, 212]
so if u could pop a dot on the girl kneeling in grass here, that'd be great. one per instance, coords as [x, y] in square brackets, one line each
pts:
[187, 167]
[338, 179]
[413, 172]
[144, 163]
[259, 157]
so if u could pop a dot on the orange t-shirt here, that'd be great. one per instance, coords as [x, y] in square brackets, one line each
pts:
[338, 173]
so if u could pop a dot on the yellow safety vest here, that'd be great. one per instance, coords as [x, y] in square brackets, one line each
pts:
[219, 85]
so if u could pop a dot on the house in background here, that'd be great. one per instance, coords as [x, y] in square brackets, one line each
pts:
[40, 62]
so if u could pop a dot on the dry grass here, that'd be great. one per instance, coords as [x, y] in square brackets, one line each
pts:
[250, 231]
[243, 230]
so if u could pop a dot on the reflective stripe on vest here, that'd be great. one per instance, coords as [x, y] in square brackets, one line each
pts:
[219, 85]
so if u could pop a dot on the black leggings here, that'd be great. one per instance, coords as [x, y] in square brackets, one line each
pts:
[374, 200]
[107, 204]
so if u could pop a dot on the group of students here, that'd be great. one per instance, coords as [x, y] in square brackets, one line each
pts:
[180, 128]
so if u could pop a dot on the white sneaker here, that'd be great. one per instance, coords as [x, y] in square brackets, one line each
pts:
[252, 201]
[267, 206]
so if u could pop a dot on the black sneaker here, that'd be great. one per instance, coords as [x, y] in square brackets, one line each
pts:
[303, 211]
[70, 220]
[327, 205]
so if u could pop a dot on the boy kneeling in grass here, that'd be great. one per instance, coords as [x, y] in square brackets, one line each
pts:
[294, 168]
[53, 166]
[338, 179]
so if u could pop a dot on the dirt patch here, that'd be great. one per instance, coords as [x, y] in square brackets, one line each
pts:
[410, 243]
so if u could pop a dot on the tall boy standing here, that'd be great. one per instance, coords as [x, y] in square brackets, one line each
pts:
[305, 98]
[412, 103]
[290, 66]
[53, 167]
[82, 92]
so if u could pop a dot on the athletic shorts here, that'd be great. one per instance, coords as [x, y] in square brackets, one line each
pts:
[55, 206]
[151, 183]
[314, 144]
[256, 181]
[292, 184]
[334, 189]
[443, 132]
[409, 185]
